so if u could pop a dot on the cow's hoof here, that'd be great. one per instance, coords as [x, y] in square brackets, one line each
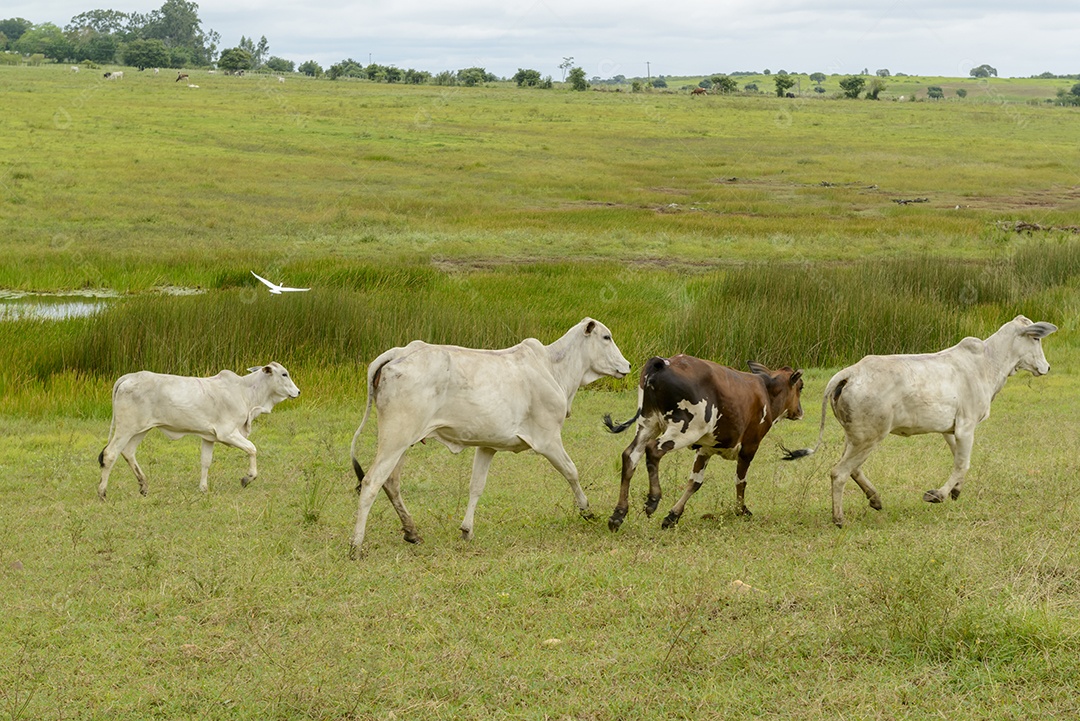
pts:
[875, 503]
[954, 493]
[354, 552]
[588, 515]
[413, 537]
[933, 496]
[670, 521]
[838, 522]
[246, 480]
[744, 511]
[143, 492]
[616, 520]
[650, 505]
[101, 496]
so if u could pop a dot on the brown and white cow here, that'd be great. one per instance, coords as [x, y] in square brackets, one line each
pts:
[686, 401]
[948, 392]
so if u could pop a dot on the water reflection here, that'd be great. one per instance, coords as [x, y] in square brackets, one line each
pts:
[54, 310]
[25, 306]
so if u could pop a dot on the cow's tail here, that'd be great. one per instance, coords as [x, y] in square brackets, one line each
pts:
[614, 427]
[112, 424]
[372, 374]
[652, 366]
[832, 392]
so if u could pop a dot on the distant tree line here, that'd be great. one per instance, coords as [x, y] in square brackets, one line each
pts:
[171, 36]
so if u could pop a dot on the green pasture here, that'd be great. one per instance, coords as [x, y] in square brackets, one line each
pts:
[735, 228]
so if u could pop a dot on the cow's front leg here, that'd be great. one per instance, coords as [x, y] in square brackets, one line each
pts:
[481, 464]
[963, 438]
[561, 460]
[742, 467]
[630, 459]
[204, 467]
[697, 477]
[236, 439]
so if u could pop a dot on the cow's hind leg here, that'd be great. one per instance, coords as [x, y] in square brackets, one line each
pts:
[383, 466]
[653, 454]
[867, 487]
[481, 464]
[129, 455]
[960, 442]
[848, 467]
[697, 477]
[630, 459]
[118, 445]
[393, 492]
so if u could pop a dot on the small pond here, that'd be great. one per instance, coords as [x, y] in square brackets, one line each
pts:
[28, 306]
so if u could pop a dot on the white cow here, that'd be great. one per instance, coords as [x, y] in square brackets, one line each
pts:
[218, 409]
[948, 392]
[496, 400]
[118, 75]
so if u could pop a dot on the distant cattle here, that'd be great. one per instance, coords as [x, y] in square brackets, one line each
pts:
[181, 76]
[115, 75]
[698, 91]
[280, 79]
[948, 392]
[218, 410]
[715, 410]
[514, 399]
[74, 68]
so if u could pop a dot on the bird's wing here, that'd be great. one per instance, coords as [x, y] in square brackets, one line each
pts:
[267, 283]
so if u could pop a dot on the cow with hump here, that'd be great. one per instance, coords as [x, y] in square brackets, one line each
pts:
[715, 410]
[948, 392]
[218, 410]
[514, 399]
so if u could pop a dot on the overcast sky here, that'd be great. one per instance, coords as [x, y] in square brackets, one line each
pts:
[629, 37]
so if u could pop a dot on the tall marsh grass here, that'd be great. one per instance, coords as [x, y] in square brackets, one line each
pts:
[808, 315]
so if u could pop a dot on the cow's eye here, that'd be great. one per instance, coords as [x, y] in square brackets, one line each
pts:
[607, 337]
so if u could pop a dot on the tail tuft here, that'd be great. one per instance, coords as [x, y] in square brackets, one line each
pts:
[790, 455]
[359, 473]
[620, 427]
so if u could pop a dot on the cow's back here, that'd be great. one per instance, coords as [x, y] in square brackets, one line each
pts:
[686, 379]
[178, 403]
[913, 393]
[465, 394]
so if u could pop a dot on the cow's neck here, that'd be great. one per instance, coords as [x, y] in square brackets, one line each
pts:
[774, 391]
[570, 368]
[999, 361]
[258, 396]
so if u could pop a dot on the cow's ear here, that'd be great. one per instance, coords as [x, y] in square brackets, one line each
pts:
[795, 377]
[252, 369]
[589, 327]
[1039, 330]
[756, 367]
[267, 369]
